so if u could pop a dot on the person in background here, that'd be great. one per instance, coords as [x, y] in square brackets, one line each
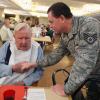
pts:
[36, 30]
[29, 21]
[13, 53]
[44, 30]
[50, 33]
[5, 31]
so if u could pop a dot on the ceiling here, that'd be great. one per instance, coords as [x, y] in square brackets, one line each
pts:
[78, 7]
[90, 1]
[73, 3]
[39, 7]
[50, 2]
[8, 4]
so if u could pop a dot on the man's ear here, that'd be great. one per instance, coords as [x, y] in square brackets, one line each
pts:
[62, 18]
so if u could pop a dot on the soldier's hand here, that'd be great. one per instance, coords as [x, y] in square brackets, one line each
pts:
[59, 89]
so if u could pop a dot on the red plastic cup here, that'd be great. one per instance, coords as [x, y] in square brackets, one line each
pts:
[9, 95]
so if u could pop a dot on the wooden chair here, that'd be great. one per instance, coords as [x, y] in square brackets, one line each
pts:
[35, 84]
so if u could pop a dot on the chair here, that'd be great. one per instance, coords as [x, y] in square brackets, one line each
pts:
[77, 95]
[35, 84]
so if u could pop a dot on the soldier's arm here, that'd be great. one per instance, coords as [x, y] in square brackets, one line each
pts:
[55, 56]
[85, 57]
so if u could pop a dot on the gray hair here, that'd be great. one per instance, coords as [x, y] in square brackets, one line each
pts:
[21, 26]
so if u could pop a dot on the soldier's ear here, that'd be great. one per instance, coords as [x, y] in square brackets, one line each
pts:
[62, 18]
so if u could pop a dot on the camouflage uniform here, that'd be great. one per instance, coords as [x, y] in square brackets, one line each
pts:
[83, 42]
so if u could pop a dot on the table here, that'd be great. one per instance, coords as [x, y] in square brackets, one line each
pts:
[20, 90]
[50, 95]
[42, 39]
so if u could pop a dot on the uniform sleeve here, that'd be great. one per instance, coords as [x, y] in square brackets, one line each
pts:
[4, 69]
[85, 57]
[55, 56]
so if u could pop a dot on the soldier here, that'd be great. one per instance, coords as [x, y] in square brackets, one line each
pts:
[80, 37]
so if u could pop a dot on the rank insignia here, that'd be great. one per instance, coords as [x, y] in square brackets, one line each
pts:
[90, 38]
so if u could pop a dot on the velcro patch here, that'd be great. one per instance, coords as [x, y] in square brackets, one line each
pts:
[90, 38]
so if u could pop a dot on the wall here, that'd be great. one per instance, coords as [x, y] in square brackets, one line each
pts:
[43, 20]
[2, 13]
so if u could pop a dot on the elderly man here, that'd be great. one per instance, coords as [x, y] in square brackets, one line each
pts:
[17, 51]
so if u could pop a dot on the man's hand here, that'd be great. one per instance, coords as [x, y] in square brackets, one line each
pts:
[26, 66]
[58, 89]
[23, 66]
[17, 67]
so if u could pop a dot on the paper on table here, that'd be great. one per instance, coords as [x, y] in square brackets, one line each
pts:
[36, 94]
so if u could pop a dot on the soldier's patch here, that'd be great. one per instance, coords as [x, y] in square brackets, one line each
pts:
[90, 38]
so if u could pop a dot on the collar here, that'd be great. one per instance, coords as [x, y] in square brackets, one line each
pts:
[75, 29]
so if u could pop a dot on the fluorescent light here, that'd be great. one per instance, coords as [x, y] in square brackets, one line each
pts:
[86, 9]
[91, 7]
[38, 14]
[41, 8]
[3, 5]
[25, 4]
[20, 12]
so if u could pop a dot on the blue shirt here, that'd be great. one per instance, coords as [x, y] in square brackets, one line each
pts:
[6, 70]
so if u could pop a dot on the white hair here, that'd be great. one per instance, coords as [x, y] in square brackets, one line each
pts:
[21, 26]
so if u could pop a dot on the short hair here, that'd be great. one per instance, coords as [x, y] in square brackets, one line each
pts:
[59, 9]
[6, 17]
[21, 26]
[28, 18]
